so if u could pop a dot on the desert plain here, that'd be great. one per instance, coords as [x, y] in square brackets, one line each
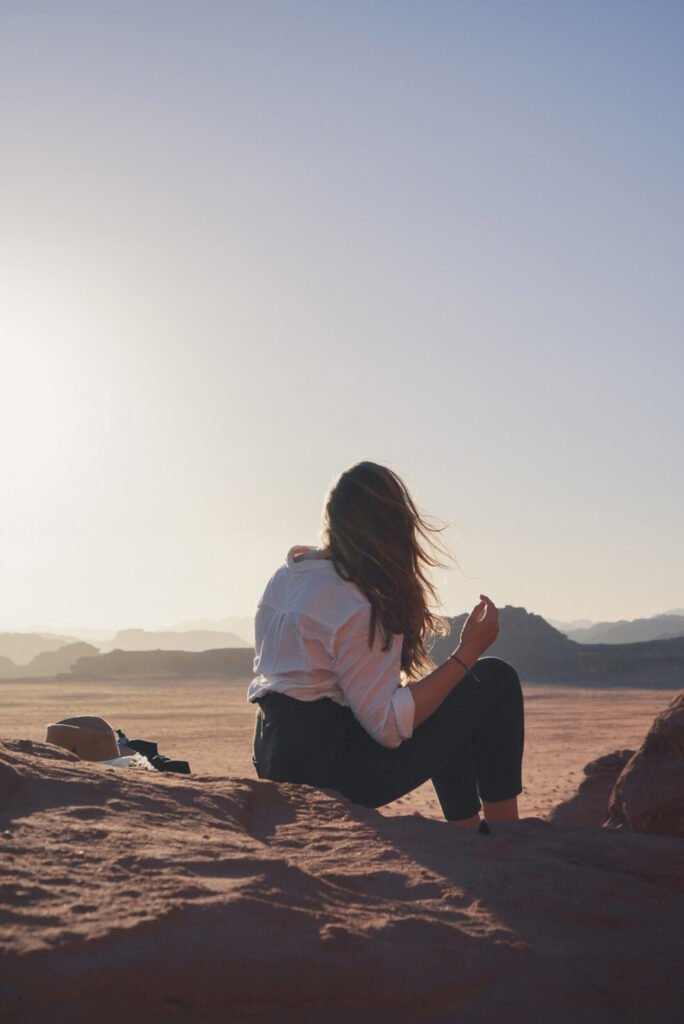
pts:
[130, 895]
[209, 723]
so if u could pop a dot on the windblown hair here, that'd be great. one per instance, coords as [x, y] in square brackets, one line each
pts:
[378, 540]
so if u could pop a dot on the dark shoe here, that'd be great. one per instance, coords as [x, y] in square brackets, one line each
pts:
[484, 828]
[167, 764]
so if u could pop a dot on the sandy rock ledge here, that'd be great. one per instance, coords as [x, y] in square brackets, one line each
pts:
[130, 896]
[649, 794]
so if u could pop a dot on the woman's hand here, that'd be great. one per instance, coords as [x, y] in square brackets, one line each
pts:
[479, 631]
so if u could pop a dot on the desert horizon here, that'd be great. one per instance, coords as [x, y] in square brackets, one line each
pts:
[580, 628]
[645, 653]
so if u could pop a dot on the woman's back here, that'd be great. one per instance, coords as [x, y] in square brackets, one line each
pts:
[312, 630]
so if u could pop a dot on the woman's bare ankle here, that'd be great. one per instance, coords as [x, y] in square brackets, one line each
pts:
[501, 810]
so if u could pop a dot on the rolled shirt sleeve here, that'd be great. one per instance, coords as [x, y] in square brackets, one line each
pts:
[370, 681]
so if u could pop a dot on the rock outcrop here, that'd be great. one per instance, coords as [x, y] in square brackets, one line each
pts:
[642, 791]
[649, 794]
[234, 663]
[147, 898]
[589, 805]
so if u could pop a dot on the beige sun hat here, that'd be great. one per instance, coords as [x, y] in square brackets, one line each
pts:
[87, 736]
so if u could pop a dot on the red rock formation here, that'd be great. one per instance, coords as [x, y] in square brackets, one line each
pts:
[649, 794]
[589, 805]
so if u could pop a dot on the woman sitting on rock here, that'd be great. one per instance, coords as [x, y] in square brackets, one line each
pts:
[341, 637]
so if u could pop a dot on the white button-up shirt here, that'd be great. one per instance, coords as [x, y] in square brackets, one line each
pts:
[312, 631]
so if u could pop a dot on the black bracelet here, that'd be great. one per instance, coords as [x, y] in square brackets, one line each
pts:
[468, 672]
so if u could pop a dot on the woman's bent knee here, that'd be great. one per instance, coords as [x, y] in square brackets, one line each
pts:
[497, 672]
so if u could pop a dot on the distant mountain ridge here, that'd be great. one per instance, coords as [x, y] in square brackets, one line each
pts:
[540, 652]
[21, 648]
[236, 663]
[166, 640]
[241, 625]
[543, 654]
[659, 627]
[569, 627]
[47, 664]
[54, 657]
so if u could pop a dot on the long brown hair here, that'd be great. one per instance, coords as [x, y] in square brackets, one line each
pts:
[378, 540]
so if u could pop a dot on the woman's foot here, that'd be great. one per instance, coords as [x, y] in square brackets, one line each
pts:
[472, 823]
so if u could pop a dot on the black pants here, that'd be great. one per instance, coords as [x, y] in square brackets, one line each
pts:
[471, 746]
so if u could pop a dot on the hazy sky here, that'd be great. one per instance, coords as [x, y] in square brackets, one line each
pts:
[246, 244]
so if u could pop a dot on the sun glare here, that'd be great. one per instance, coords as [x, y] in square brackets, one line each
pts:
[44, 330]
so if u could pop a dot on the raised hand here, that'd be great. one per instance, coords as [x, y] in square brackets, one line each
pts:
[479, 631]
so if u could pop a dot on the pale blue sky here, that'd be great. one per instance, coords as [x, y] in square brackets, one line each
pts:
[247, 244]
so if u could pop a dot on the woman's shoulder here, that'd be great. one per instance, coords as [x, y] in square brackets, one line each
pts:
[309, 584]
[304, 557]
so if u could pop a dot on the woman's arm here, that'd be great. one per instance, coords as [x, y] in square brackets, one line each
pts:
[369, 678]
[479, 632]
